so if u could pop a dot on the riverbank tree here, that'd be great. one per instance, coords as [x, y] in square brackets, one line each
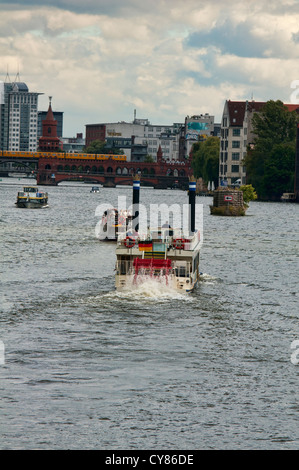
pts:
[270, 162]
[205, 159]
[99, 147]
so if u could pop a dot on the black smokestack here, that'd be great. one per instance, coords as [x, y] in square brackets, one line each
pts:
[192, 192]
[136, 192]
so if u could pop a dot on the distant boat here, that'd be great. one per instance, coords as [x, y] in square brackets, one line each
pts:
[95, 189]
[17, 175]
[113, 223]
[288, 197]
[31, 198]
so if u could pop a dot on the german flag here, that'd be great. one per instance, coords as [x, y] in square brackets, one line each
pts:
[146, 245]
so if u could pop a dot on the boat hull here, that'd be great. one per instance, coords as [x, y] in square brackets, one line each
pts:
[31, 205]
[31, 198]
[126, 282]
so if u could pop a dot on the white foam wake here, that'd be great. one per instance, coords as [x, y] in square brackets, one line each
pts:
[155, 287]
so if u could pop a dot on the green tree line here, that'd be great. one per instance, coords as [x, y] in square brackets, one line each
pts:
[205, 159]
[99, 147]
[270, 163]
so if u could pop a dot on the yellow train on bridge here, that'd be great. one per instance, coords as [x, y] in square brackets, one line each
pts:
[62, 155]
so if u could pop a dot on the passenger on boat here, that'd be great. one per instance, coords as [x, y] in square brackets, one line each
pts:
[169, 233]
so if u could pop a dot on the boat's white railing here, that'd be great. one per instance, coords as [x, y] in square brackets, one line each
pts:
[126, 267]
[32, 195]
[172, 237]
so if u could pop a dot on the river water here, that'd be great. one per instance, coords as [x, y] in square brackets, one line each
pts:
[85, 367]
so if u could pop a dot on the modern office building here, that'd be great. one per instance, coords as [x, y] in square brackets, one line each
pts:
[18, 117]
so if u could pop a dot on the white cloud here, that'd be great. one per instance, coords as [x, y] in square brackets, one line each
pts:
[169, 60]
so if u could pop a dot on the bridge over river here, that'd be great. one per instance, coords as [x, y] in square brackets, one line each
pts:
[108, 170]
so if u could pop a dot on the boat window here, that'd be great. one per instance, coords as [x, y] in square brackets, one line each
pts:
[30, 190]
[181, 271]
[123, 267]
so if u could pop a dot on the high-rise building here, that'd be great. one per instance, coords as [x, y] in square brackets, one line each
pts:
[18, 117]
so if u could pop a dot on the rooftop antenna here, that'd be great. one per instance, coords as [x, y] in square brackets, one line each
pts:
[17, 79]
[7, 78]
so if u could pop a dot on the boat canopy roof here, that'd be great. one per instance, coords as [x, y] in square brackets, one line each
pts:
[30, 189]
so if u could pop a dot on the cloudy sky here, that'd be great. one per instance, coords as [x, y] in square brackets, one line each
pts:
[102, 59]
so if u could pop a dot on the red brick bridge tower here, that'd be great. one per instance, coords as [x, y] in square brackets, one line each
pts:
[49, 142]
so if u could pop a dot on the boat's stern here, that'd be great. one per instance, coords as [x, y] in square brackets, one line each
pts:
[157, 257]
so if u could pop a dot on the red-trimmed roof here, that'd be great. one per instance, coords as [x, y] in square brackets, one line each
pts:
[293, 107]
[237, 109]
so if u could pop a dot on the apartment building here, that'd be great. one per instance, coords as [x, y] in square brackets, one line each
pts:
[235, 134]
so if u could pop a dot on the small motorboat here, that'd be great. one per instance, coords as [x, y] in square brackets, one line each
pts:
[95, 189]
[32, 198]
